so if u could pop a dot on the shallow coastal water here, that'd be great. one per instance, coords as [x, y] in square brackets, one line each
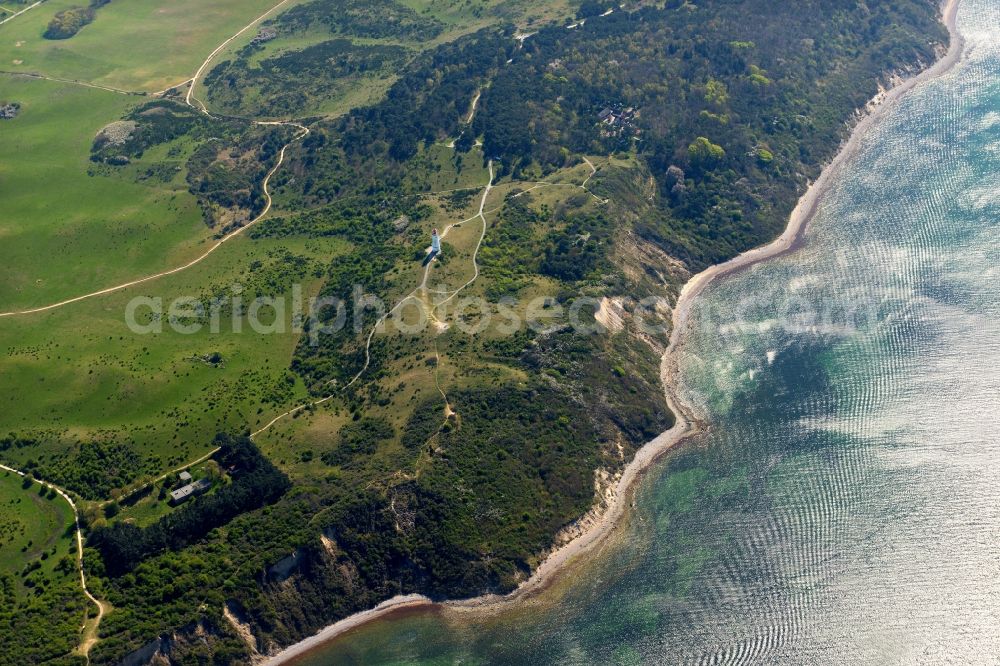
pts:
[843, 507]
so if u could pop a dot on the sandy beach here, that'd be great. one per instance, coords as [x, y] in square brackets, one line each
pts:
[604, 524]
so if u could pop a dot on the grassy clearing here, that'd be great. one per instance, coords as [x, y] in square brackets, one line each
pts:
[138, 45]
[41, 604]
[150, 504]
[31, 524]
[438, 168]
[65, 232]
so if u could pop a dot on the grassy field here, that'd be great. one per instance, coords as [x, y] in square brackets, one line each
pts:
[143, 45]
[30, 524]
[79, 374]
[437, 168]
[64, 231]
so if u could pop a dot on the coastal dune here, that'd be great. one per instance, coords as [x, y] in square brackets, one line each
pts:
[687, 424]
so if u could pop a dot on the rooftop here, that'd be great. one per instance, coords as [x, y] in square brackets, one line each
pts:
[184, 492]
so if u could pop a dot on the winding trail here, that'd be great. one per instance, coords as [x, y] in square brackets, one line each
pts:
[194, 79]
[160, 93]
[593, 172]
[448, 411]
[475, 253]
[472, 109]
[381, 320]
[468, 121]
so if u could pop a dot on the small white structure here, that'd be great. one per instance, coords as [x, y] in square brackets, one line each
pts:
[184, 476]
[435, 242]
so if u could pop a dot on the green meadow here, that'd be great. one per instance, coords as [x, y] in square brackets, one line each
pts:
[79, 374]
[142, 45]
[67, 227]
[31, 524]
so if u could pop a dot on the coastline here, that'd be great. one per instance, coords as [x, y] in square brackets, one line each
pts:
[687, 424]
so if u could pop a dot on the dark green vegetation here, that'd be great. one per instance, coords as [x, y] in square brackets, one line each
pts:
[68, 22]
[225, 170]
[356, 51]
[448, 467]
[9, 110]
[359, 438]
[734, 115]
[286, 83]
[372, 144]
[41, 605]
[255, 482]
[569, 252]
[368, 19]
[93, 470]
[326, 57]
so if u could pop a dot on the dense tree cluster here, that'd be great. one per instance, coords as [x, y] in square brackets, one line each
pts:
[44, 627]
[255, 483]
[95, 469]
[365, 151]
[68, 22]
[358, 438]
[370, 19]
[285, 84]
[746, 109]
[522, 243]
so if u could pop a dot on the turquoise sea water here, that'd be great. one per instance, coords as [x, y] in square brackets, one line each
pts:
[844, 507]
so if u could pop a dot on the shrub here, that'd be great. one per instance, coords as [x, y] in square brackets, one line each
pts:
[68, 22]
